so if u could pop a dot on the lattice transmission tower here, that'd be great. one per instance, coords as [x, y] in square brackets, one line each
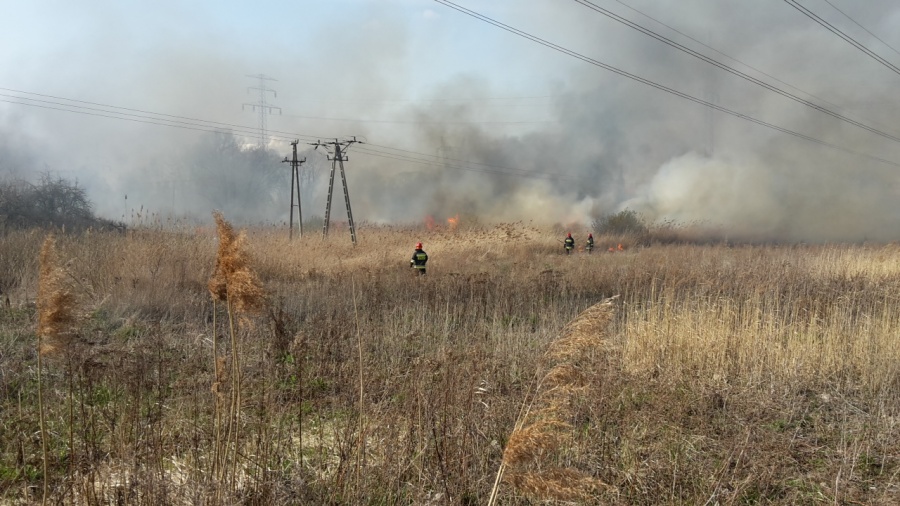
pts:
[262, 107]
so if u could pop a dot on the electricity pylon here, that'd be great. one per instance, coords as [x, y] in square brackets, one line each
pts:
[337, 156]
[262, 107]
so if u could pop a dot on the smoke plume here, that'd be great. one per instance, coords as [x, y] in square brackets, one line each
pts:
[511, 130]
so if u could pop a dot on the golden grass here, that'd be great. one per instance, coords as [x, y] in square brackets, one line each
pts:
[558, 484]
[746, 374]
[529, 459]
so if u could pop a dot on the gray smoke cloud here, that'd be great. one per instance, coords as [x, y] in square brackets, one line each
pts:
[415, 75]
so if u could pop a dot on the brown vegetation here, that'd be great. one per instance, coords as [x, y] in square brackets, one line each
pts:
[726, 374]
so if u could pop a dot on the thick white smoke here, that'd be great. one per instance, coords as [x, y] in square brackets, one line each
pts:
[414, 75]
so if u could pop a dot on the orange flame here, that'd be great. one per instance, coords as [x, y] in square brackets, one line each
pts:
[621, 248]
[453, 222]
[429, 222]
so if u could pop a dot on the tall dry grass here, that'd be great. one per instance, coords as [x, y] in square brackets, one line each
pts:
[235, 284]
[729, 374]
[56, 314]
[531, 459]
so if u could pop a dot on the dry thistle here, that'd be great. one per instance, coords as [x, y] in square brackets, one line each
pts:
[55, 302]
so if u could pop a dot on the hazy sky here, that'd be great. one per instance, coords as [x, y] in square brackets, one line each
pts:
[419, 76]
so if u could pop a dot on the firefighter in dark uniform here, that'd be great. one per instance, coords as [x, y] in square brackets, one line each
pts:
[569, 243]
[590, 244]
[419, 259]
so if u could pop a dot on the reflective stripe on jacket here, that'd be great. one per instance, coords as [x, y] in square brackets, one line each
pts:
[419, 259]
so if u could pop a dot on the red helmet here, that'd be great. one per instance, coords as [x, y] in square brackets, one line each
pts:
[590, 235]
[418, 245]
[569, 234]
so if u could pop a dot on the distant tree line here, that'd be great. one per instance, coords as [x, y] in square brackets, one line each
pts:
[52, 202]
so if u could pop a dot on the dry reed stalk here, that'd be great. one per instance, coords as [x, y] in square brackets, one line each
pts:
[218, 289]
[235, 283]
[361, 439]
[56, 320]
[541, 429]
[218, 398]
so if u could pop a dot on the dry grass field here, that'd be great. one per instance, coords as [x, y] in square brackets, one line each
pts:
[720, 374]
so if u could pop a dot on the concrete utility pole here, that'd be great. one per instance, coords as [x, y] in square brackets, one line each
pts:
[295, 181]
[262, 107]
[338, 157]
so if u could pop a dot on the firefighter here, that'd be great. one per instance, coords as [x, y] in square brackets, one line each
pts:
[590, 244]
[419, 259]
[569, 243]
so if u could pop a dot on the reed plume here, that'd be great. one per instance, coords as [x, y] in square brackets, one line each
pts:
[56, 321]
[236, 284]
[542, 430]
[55, 303]
[233, 280]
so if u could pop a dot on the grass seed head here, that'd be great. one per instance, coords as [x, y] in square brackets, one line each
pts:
[233, 279]
[527, 444]
[217, 284]
[557, 484]
[56, 302]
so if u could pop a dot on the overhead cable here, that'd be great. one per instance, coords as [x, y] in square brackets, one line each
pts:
[654, 84]
[114, 110]
[831, 28]
[732, 58]
[863, 27]
[734, 71]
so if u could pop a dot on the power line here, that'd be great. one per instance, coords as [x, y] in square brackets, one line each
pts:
[438, 162]
[285, 136]
[198, 125]
[732, 70]
[352, 120]
[653, 84]
[770, 76]
[410, 100]
[831, 28]
[863, 27]
[124, 115]
[288, 135]
[434, 163]
[441, 162]
[201, 125]
[445, 159]
[172, 125]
